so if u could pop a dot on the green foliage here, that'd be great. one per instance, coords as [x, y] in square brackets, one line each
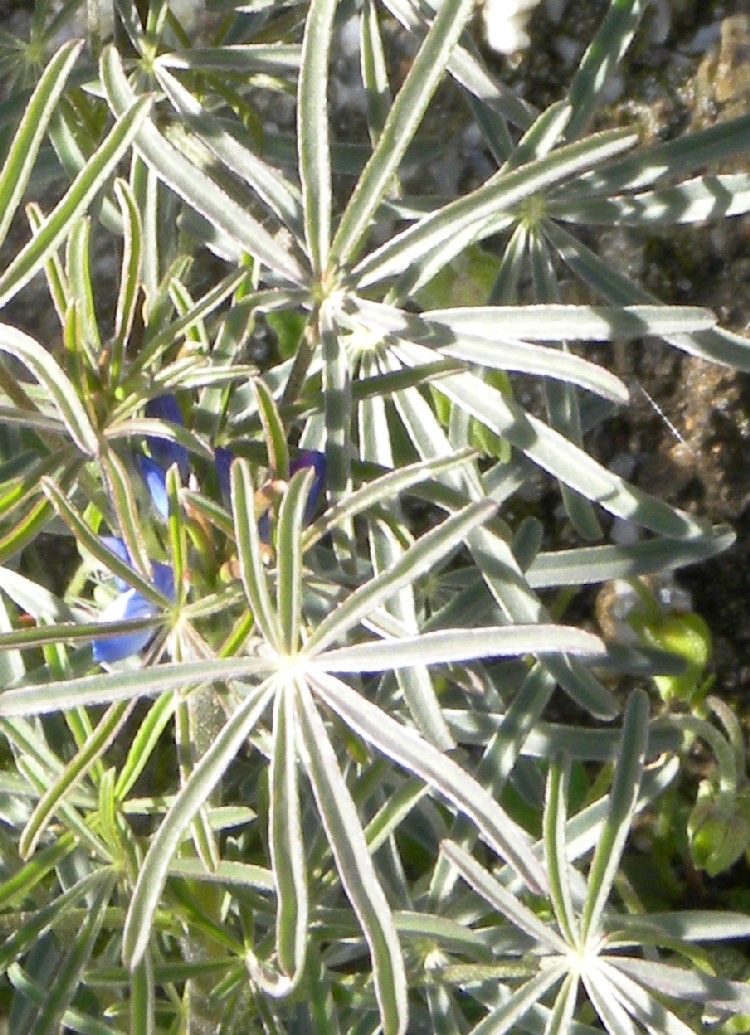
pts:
[274, 753]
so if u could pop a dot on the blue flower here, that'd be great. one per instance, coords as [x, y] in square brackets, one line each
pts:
[130, 604]
[308, 458]
[164, 453]
[223, 461]
[317, 460]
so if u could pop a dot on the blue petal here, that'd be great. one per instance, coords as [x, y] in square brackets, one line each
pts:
[223, 461]
[119, 549]
[317, 460]
[164, 579]
[163, 450]
[165, 407]
[163, 574]
[126, 606]
[264, 527]
[155, 479]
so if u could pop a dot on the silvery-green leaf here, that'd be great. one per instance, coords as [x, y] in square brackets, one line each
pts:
[358, 875]
[688, 925]
[41, 698]
[678, 157]
[51, 377]
[490, 340]
[573, 322]
[417, 756]
[451, 645]
[28, 137]
[279, 195]
[289, 559]
[556, 454]
[591, 564]
[190, 799]
[607, 1002]
[503, 900]
[511, 1014]
[92, 177]
[374, 71]
[401, 124]
[254, 576]
[101, 739]
[715, 345]
[705, 197]
[285, 837]
[476, 209]
[601, 59]
[692, 985]
[555, 849]
[424, 554]
[76, 960]
[645, 1008]
[313, 132]
[622, 804]
[468, 69]
[194, 185]
[245, 58]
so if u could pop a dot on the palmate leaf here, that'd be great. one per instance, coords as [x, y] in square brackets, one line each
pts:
[420, 758]
[442, 229]
[194, 185]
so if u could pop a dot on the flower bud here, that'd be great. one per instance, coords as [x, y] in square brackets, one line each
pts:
[718, 829]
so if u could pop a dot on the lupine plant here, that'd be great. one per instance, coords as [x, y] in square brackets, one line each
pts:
[275, 754]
